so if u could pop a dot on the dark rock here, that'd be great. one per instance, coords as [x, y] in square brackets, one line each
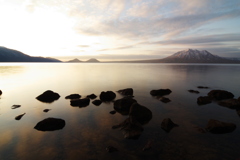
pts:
[112, 112]
[73, 96]
[48, 96]
[92, 96]
[140, 113]
[111, 149]
[160, 92]
[126, 92]
[80, 102]
[220, 94]
[97, 102]
[204, 100]
[123, 105]
[167, 124]
[230, 103]
[0, 92]
[131, 128]
[46, 110]
[19, 116]
[239, 99]
[164, 99]
[193, 91]
[107, 96]
[50, 124]
[218, 127]
[202, 87]
[15, 106]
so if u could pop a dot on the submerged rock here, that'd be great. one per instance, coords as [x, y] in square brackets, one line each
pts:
[148, 145]
[202, 87]
[218, 127]
[15, 106]
[160, 92]
[46, 110]
[80, 102]
[97, 102]
[123, 105]
[132, 127]
[220, 94]
[112, 112]
[48, 96]
[19, 116]
[230, 103]
[92, 96]
[73, 96]
[107, 96]
[204, 100]
[111, 149]
[126, 92]
[164, 99]
[0, 92]
[167, 124]
[193, 91]
[50, 124]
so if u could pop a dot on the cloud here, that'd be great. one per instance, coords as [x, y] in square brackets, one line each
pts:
[118, 48]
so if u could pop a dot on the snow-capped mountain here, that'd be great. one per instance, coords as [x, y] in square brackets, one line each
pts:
[196, 56]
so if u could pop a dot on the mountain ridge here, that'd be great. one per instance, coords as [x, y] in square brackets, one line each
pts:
[11, 55]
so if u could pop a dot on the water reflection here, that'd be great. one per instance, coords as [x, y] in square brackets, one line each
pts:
[89, 130]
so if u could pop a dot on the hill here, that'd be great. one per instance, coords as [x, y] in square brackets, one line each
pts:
[10, 55]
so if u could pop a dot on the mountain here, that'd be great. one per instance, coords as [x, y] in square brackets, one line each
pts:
[10, 55]
[196, 56]
[92, 60]
[74, 60]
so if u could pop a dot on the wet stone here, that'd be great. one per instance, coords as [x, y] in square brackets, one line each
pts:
[73, 96]
[97, 102]
[92, 96]
[15, 106]
[48, 96]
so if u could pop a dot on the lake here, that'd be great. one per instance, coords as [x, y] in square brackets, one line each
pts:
[88, 130]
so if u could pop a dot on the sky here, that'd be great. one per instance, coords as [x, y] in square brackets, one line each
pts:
[119, 29]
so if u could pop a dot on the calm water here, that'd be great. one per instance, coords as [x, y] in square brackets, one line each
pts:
[88, 130]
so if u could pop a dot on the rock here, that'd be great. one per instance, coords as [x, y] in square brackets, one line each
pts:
[19, 116]
[193, 91]
[80, 102]
[123, 105]
[204, 100]
[220, 94]
[15, 106]
[92, 96]
[48, 96]
[97, 102]
[202, 87]
[160, 92]
[107, 96]
[46, 110]
[50, 124]
[239, 99]
[112, 112]
[167, 124]
[126, 92]
[111, 149]
[218, 127]
[0, 92]
[230, 103]
[140, 113]
[164, 99]
[73, 96]
[131, 128]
